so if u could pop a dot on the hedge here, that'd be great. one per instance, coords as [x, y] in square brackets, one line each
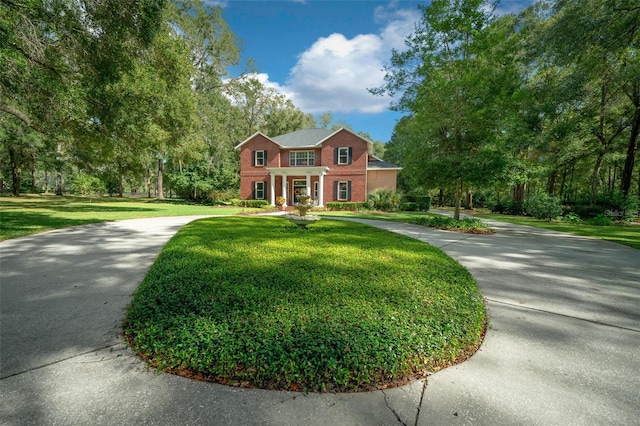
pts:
[250, 203]
[423, 202]
[346, 206]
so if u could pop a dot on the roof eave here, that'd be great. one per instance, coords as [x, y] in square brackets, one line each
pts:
[346, 130]
[253, 136]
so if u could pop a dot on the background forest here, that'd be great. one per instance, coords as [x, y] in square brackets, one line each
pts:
[135, 96]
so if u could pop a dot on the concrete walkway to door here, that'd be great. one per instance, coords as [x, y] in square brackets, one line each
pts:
[563, 345]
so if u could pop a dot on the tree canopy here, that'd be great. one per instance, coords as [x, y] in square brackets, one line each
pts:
[522, 101]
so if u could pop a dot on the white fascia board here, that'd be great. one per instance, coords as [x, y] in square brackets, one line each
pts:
[253, 136]
[384, 168]
[346, 130]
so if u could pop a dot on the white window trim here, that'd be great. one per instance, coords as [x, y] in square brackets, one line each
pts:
[260, 187]
[262, 162]
[310, 155]
[346, 191]
[346, 155]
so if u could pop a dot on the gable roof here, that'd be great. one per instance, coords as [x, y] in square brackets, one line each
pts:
[253, 136]
[305, 138]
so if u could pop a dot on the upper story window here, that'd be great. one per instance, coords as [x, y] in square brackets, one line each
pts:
[302, 158]
[259, 158]
[343, 155]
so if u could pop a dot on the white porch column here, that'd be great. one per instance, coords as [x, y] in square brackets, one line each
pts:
[308, 183]
[321, 190]
[284, 189]
[272, 189]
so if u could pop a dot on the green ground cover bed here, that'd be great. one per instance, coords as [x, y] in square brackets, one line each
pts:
[31, 214]
[340, 306]
[467, 225]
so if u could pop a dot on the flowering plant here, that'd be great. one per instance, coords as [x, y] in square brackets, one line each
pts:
[280, 201]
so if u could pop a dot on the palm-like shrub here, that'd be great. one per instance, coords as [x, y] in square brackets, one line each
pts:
[383, 199]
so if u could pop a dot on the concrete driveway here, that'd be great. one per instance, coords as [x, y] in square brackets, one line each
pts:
[563, 345]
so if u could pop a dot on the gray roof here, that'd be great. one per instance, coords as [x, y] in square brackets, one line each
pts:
[303, 138]
[306, 138]
[376, 163]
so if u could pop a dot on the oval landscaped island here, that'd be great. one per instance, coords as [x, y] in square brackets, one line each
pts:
[340, 306]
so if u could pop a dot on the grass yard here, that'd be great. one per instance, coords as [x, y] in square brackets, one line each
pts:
[31, 214]
[628, 235]
[255, 301]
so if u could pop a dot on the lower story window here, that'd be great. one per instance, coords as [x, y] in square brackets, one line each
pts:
[259, 191]
[343, 191]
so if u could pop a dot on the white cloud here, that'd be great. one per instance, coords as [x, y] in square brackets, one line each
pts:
[264, 79]
[335, 72]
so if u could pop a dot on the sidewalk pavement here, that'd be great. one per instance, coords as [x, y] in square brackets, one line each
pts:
[563, 346]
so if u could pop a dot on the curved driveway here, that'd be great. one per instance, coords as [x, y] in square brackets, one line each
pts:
[563, 345]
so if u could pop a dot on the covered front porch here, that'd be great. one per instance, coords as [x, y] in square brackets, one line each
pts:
[289, 182]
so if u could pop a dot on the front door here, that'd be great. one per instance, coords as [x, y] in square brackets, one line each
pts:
[299, 187]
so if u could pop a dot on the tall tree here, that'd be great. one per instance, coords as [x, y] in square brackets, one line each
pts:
[204, 160]
[601, 39]
[56, 55]
[264, 109]
[450, 81]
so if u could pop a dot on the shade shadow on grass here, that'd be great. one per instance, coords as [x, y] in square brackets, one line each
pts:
[16, 224]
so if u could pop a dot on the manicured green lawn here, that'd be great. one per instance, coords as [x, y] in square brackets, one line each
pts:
[628, 235]
[255, 301]
[31, 214]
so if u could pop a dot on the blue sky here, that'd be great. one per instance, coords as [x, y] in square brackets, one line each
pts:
[324, 54]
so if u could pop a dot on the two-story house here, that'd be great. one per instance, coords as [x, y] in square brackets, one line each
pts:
[328, 165]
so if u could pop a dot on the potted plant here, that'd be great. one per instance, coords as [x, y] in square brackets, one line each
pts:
[280, 201]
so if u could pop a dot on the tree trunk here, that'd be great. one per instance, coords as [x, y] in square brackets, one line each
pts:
[518, 192]
[441, 197]
[160, 170]
[16, 171]
[147, 183]
[631, 153]
[468, 202]
[46, 181]
[638, 182]
[571, 191]
[595, 176]
[58, 183]
[551, 184]
[564, 179]
[33, 176]
[458, 195]
[120, 185]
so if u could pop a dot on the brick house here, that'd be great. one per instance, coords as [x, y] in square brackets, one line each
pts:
[329, 165]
